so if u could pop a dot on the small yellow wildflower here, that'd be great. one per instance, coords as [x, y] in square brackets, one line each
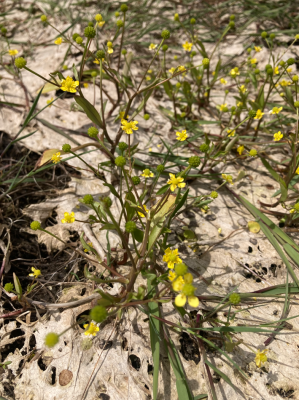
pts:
[68, 85]
[234, 72]
[259, 114]
[101, 23]
[181, 68]
[187, 46]
[147, 173]
[206, 94]
[13, 52]
[152, 46]
[275, 110]
[227, 178]
[58, 41]
[68, 218]
[253, 153]
[36, 272]
[242, 89]
[128, 127]
[213, 73]
[230, 132]
[86, 85]
[276, 70]
[253, 61]
[223, 81]
[181, 136]
[122, 115]
[175, 182]
[284, 83]
[289, 70]
[297, 171]
[171, 257]
[260, 357]
[145, 209]
[219, 230]
[150, 71]
[90, 245]
[92, 329]
[178, 284]
[56, 158]
[172, 275]
[187, 292]
[98, 18]
[50, 101]
[239, 104]
[257, 49]
[148, 78]
[110, 47]
[222, 107]
[171, 70]
[277, 136]
[240, 149]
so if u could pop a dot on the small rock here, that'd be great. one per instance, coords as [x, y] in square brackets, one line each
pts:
[253, 241]
[242, 222]
[211, 217]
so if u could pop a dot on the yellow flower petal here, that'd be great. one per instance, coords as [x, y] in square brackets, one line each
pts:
[180, 300]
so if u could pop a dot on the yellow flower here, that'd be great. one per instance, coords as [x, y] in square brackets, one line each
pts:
[56, 158]
[231, 133]
[172, 70]
[243, 89]
[234, 72]
[152, 46]
[181, 68]
[178, 284]
[58, 41]
[228, 178]
[253, 61]
[13, 52]
[223, 81]
[68, 85]
[98, 18]
[122, 115]
[284, 83]
[276, 70]
[239, 104]
[297, 171]
[110, 50]
[147, 173]
[257, 49]
[150, 71]
[92, 329]
[145, 209]
[277, 136]
[289, 70]
[50, 101]
[90, 245]
[86, 85]
[175, 182]
[101, 23]
[259, 114]
[205, 94]
[275, 110]
[128, 127]
[171, 257]
[213, 73]
[36, 272]
[181, 136]
[240, 149]
[187, 46]
[260, 357]
[181, 300]
[68, 218]
[172, 275]
[148, 78]
[222, 107]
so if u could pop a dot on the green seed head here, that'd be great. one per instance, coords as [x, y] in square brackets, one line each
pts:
[43, 18]
[176, 17]
[120, 23]
[160, 168]
[272, 36]
[181, 269]
[124, 52]
[92, 132]
[178, 85]
[120, 161]
[66, 148]
[205, 62]
[89, 32]
[252, 113]
[232, 17]
[98, 314]
[192, 21]
[234, 298]
[116, 14]
[282, 63]
[3, 31]
[264, 34]
[192, 54]
[291, 61]
[136, 180]
[100, 54]
[188, 289]
[296, 207]
[94, 74]
[194, 161]
[20, 62]
[124, 8]
[231, 24]
[130, 226]
[9, 287]
[256, 71]
[79, 40]
[75, 35]
[122, 146]
[90, 23]
[51, 339]
[204, 147]
[296, 104]
[295, 78]
[35, 225]
[146, 117]
[233, 108]
[165, 34]
[88, 199]
[107, 201]
[164, 47]
[214, 195]
[269, 71]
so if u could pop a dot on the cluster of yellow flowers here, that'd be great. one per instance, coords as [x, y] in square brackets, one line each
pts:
[181, 279]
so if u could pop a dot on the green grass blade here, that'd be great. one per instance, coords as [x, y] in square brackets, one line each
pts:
[220, 373]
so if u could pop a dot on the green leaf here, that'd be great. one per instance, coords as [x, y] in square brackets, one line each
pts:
[18, 286]
[283, 185]
[112, 189]
[138, 235]
[130, 210]
[220, 373]
[154, 325]
[201, 396]
[90, 110]
[261, 97]
[32, 108]
[109, 227]
[162, 190]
